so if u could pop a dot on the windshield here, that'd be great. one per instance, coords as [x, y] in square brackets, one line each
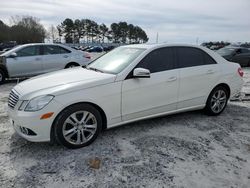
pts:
[11, 50]
[225, 51]
[116, 60]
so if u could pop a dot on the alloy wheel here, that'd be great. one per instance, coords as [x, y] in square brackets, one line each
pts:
[218, 101]
[79, 127]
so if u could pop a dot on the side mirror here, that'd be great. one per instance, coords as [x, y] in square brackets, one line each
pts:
[13, 55]
[141, 73]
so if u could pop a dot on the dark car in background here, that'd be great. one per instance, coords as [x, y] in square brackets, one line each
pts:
[108, 48]
[239, 55]
[7, 45]
[86, 48]
[95, 49]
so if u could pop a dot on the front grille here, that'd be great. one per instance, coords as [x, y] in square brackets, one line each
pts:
[13, 99]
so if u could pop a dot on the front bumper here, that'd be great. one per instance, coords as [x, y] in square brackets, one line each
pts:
[22, 120]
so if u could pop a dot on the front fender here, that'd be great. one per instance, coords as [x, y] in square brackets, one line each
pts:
[4, 68]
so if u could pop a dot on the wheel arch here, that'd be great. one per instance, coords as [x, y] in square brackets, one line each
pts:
[226, 86]
[223, 85]
[207, 107]
[4, 69]
[72, 63]
[103, 115]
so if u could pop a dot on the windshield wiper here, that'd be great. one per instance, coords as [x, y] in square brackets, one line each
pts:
[94, 69]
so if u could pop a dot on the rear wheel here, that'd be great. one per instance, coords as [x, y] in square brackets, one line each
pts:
[217, 101]
[78, 126]
[71, 65]
[2, 77]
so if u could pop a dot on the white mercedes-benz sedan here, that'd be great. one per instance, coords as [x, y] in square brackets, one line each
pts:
[128, 84]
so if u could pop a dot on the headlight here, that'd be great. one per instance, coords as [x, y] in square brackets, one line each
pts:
[23, 105]
[36, 103]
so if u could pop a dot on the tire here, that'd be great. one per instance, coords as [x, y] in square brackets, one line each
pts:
[78, 126]
[217, 101]
[2, 77]
[71, 65]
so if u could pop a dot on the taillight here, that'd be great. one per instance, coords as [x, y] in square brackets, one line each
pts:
[87, 55]
[240, 71]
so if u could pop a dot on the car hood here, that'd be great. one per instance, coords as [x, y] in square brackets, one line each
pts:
[62, 81]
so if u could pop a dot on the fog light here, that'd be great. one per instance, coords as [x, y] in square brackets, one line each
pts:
[24, 130]
[27, 131]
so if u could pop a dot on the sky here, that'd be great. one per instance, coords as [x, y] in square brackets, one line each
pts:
[175, 21]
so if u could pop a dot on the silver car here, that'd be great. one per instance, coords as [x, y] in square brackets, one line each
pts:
[34, 59]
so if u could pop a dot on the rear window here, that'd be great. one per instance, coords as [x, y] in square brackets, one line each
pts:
[50, 50]
[190, 57]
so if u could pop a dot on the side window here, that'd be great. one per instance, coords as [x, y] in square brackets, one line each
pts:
[63, 50]
[238, 51]
[245, 50]
[50, 50]
[189, 57]
[208, 59]
[29, 51]
[158, 60]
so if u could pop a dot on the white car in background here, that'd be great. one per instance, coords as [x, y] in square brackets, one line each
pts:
[128, 84]
[38, 58]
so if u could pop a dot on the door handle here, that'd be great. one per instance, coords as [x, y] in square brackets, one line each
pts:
[171, 79]
[65, 56]
[37, 59]
[210, 71]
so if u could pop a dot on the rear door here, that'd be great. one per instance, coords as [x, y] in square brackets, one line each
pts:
[198, 75]
[55, 58]
[158, 94]
[27, 63]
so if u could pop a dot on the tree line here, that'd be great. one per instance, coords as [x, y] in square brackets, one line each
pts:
[25, 29]
[88, 30]
[28, 29]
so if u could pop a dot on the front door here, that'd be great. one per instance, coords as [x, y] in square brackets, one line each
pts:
[27, 63]
[158, 94]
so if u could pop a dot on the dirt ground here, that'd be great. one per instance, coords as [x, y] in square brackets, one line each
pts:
[184, 150]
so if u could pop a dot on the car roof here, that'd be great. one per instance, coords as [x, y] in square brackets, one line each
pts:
[42, 44]
[161, 45]
[36, 44]
[236, 47]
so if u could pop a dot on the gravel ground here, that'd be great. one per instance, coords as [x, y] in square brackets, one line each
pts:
[184, 150]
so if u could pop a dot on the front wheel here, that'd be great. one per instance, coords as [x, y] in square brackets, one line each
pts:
[217, 101]
[78, 126]
[2, 77]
